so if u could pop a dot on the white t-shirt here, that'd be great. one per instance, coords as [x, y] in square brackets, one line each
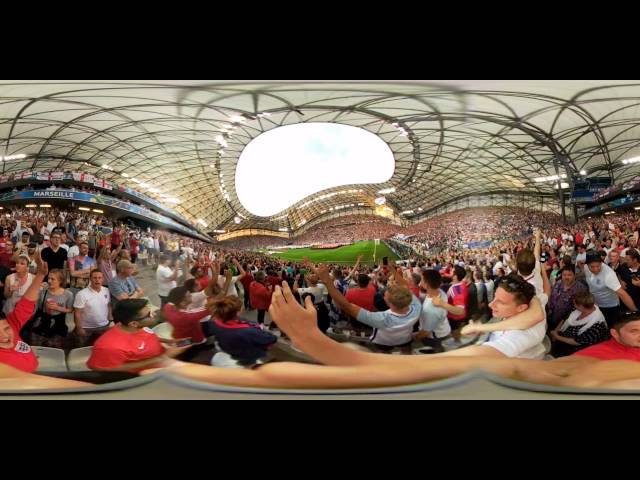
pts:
[14, 297]
[521, 343]
[163, 276]
[434, 319]
[232, 286]
[603, 286]
[73, 251]
[65, 246]
[149, 243]
[535, 279]
[319, 292]
[198, 302]
[95, 307]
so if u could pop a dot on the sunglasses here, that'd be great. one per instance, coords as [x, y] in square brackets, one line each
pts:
[148, 315]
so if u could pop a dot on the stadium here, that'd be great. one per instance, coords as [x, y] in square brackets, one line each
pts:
[306, 239]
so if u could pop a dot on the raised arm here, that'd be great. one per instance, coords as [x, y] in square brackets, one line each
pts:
[34, 290]
[626, 299]
[240, 269]
[522, 321]
[346, 306]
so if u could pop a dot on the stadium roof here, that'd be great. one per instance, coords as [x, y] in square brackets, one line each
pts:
[449, 138]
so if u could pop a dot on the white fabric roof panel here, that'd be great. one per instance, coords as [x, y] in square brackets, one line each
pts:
[164, 133]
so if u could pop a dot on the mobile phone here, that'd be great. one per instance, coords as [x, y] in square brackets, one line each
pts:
[184, 343]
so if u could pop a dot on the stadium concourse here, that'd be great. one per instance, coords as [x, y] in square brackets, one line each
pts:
[182, 239]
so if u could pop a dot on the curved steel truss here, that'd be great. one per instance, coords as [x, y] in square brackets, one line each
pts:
[449, 139]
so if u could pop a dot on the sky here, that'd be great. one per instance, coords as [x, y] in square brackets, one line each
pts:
[287, 164]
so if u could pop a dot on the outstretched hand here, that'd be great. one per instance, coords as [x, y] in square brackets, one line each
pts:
[43, 267]
[290, 316]
[323, 273]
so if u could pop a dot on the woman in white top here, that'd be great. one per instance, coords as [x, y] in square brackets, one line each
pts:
[17, 284]
[585, 326]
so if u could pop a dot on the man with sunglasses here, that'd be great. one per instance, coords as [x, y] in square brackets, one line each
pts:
[131, 345]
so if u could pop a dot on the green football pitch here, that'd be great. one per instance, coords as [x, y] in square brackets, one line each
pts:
[348, 254]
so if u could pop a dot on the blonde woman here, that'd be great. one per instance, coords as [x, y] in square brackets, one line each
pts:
[17, 284]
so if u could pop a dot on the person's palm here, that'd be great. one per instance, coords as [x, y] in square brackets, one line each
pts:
[289, 315]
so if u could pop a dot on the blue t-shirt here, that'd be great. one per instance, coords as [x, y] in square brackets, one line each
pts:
[118, 286]
[391, 328]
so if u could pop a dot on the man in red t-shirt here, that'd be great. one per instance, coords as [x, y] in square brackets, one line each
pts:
[6, 256]
[13, 350]
[131, 345]
[625, 344]
[186, 324]
[458, 296]
[133, 248]
[364, 294]
[246, 282]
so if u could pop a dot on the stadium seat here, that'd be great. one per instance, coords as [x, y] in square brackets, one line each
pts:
[77, 359]
[50, 359]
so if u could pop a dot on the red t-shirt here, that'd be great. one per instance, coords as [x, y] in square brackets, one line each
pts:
[611, 350]
[185, 324]
[274, 281]
[5, 260]
[259, 296]
[579, 238]
[416, 291]
[458, 296]
[246, 281]
[362, 297]
[133, 246]
[115, 238]
[116, 347]
[20, 356]
[204, 282]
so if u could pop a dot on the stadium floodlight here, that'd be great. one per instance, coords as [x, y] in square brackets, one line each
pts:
[18, 156]
[31, 205]
[629, 161]
[107, 167]
[583, 172]
[406, 212]
[386, 191]
[98, 210]
[563, 185]
[125, 175]
[380, 201]
[45, 205]
[609, 213]
[84, 209]
[550, 178]
[237, 220]
[203, 223]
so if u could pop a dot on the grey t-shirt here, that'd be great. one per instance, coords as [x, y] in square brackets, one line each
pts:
[65, 300]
